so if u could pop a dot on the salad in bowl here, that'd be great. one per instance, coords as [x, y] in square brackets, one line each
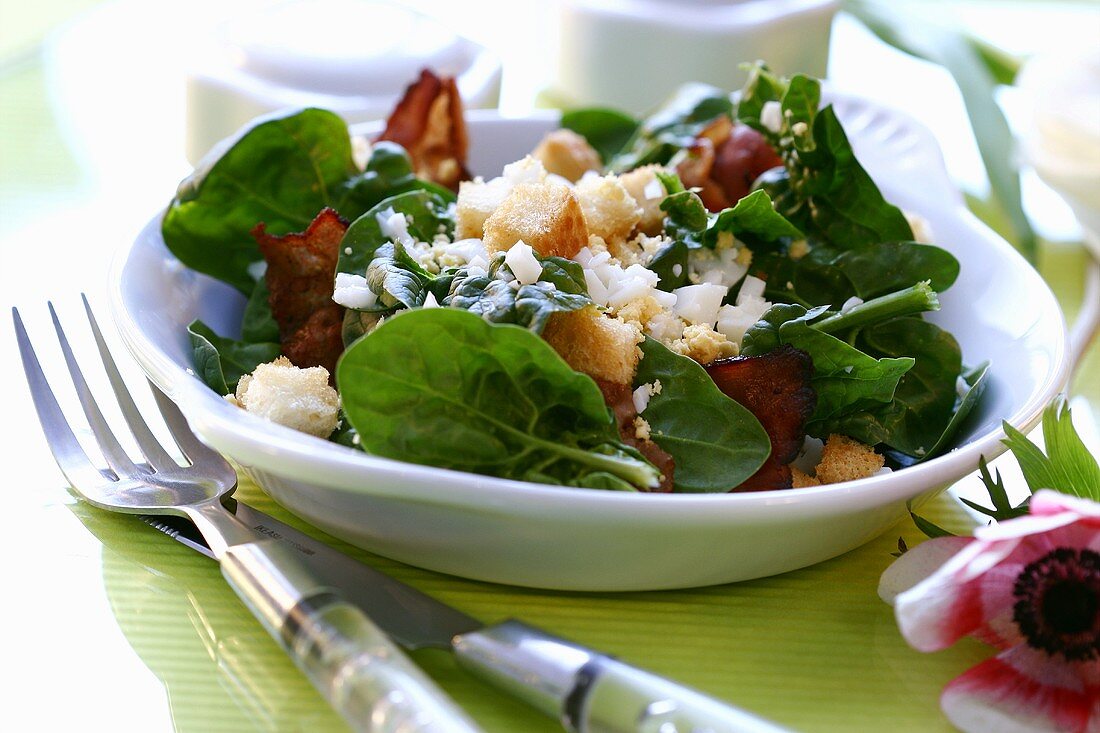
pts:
[577, 412]
[716, 298]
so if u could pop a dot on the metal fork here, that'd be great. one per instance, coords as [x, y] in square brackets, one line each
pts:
[367, 679]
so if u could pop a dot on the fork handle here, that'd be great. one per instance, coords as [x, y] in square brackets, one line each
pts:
[366, 678]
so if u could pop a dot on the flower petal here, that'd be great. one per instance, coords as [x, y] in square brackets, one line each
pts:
[917, 564]
[1022, 690]
[952, 602]
[1025, 526]
[1048, 501]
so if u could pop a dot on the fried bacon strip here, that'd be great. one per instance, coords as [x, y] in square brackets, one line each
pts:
[775, 387]
[429, 123]
[619, 397]
[300, 271]
[725, 160]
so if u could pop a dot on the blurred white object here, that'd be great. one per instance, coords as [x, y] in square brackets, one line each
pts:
[354, 57]
[632, 54]
[1062, 139]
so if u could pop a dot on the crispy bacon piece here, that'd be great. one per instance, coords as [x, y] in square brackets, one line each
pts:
[725, 161]
[775, 387]
[300, 271]
[429, 123]
[619, 397]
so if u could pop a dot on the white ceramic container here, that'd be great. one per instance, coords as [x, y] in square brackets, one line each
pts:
[632, 54]
[354, 57]
[553, 537]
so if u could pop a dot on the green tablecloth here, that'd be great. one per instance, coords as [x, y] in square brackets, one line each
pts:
[114, 626]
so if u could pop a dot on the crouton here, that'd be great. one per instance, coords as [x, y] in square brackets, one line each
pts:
[800, 480]
[844, 459]
[567, 154]
[609, 210]
[297, 398]
[477, 199]
[600, 346]
[648, 193]
[544, 215]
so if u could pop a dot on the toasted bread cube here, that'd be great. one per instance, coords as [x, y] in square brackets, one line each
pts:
[297, 398]
[845, 459]
[609, 210]
[648, 193]
[477, 199]
[595, 344]
[545, 215]
[567, 154]
[801, 480]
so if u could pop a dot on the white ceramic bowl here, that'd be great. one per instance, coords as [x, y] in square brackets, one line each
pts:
[552, 537]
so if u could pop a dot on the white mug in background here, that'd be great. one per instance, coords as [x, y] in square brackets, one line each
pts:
[354, 57]
[632, 54]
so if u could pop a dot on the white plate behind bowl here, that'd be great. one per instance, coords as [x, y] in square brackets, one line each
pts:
[552, 537]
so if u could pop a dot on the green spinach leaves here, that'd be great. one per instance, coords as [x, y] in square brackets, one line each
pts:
[281, 170]
[221, 362]
[715, 442]
[443, 387]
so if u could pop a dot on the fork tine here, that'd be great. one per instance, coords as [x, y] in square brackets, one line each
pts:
[150, 447]
[63, 444]
[116, 456]
[185, 439]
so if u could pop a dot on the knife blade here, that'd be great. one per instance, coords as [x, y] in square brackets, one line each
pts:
[585, 690]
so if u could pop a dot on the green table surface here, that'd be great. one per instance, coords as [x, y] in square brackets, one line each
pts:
[112, 626]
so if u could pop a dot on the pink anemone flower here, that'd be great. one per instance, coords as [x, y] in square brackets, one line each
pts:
[1030, 586]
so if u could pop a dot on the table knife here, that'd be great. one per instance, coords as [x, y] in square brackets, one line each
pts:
[587, 691]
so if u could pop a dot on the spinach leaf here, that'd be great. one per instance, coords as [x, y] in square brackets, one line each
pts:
[847, 381]
[221, 362]
[690, 226]
[398, 279]
[715, 442]
[825, 191]
[497, 297]
[388, 172]
[673, 127]
[281, 171]
[827, 275]
[359, 323]
[925, 398]
[671, 265]
[426, 213]
[754, 221]
[258, 324]
[889, 266]
[606, 130]
[442, 387]
[976, 381]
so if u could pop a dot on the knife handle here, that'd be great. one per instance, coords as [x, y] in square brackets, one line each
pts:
[591, 692]
[366, 678]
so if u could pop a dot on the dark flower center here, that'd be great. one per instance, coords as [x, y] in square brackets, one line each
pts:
[1058, 603]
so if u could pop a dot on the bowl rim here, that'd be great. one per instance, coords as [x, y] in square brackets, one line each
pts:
[249, 439]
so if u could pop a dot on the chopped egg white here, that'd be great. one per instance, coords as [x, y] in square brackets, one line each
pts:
[850, 304]
[521, 260]
[699, 303]
[735, 320]
[352, 291]
[771, 116]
